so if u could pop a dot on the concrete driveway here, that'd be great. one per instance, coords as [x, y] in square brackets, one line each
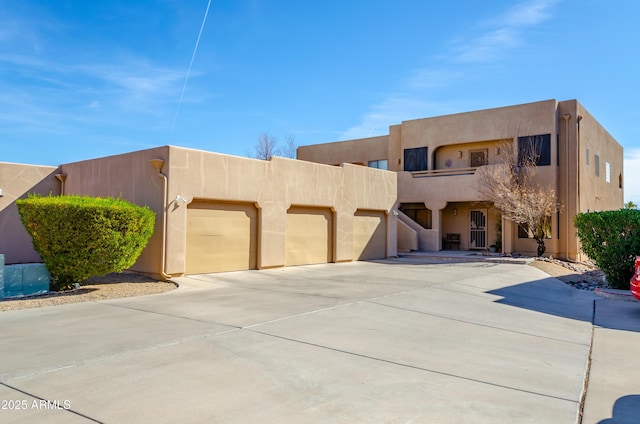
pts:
[391, 341]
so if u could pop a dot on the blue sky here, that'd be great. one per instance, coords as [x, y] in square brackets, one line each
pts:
[83, 79]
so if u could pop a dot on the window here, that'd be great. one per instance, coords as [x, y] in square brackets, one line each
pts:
[380, 164]
[607, 171]
[596, 164]
[416, 159]
[418, 212]
[536, 148]
[523, 229]
[477, 158]
[587, 156]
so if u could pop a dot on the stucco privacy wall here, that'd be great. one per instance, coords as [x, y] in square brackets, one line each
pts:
[16, 181]
[275, 186]
[352, 151]
[272, 186]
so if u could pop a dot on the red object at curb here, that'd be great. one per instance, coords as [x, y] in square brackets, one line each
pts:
[635, 280]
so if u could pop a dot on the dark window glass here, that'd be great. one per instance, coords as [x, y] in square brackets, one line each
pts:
[478, 158]
[418, 212]
[523, 229]
[536, 147]
[416, 159]
[380, 164]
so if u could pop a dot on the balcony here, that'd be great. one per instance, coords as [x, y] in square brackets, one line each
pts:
[444, 172]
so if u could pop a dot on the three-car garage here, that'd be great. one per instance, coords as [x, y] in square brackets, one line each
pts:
[223, 236]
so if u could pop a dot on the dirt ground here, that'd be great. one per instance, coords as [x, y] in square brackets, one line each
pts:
[127, 284]
[112, 286]
[579, 275]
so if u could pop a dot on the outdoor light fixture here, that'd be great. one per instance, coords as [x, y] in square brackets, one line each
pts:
[180, 198]
[455, 212]
[459, 153]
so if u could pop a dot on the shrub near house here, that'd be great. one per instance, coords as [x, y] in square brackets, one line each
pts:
[612, 240]
[80, 237]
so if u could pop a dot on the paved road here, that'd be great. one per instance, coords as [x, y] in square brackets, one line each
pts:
[394, 341]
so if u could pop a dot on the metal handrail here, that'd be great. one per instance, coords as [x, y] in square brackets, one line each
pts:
[443, 172]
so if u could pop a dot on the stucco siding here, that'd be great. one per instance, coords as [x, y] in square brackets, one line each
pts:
[18, 181]
[449, 177]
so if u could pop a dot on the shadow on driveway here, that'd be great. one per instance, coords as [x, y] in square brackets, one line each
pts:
[626, 410]
[550, 296]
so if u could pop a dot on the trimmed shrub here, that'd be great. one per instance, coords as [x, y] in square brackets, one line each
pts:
[612, 240]
[80, 237]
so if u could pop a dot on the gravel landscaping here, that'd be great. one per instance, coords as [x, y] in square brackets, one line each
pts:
[112, 286]
[583, 276]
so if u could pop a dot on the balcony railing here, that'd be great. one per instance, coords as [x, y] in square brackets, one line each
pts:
[444, 172]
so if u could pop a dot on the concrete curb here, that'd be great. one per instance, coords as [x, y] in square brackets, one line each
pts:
[469, 258]
[613, 294]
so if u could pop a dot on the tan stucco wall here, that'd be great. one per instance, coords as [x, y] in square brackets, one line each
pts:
[579, 188]
[451, 138]
[273, 186]
[130, 177]
[17, 181]
[359, 151]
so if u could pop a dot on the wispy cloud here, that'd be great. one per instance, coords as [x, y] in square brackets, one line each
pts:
[489, 41]
[502, 33]
[51, 95]
[133, 85]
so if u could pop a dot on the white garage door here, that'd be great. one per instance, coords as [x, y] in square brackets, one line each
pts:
[309, 236]
[221, 237]
[369, 235]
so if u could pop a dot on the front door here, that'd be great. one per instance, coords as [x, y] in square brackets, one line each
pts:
[478, 229]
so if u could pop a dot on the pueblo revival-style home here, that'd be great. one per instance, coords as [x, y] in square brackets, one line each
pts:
[417, 190]
[436, 161]
[218, 212]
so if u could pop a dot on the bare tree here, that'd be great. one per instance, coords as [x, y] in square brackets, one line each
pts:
[265, 147]
[290, 149]
[511, 185]
[268, 146]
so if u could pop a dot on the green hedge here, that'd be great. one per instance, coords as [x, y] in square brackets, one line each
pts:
[612, 240]
[80, 237]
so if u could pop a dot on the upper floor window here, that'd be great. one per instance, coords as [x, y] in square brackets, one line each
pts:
[607, 172]
[587, 156]
[535, 149]
[477, 158]
[380, 164]
[596, 164]
[416, 159]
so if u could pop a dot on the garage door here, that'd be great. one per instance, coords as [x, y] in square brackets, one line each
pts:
[369, 235]
[309, 236]
[221, 237]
